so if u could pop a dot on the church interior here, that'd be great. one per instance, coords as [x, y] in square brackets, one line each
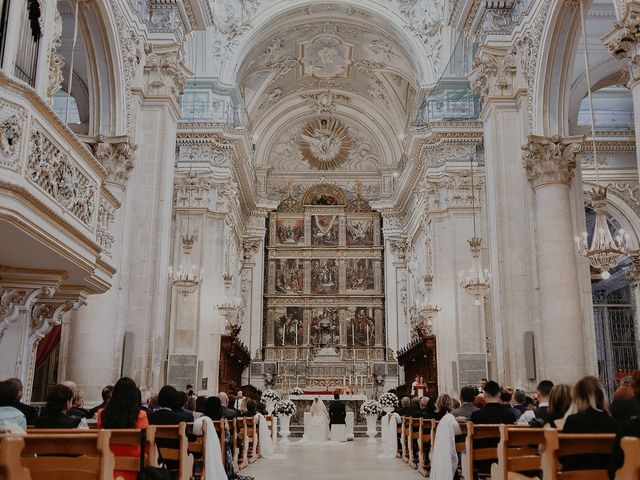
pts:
[310, 224]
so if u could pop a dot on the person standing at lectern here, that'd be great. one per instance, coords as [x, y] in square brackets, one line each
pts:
[337, 411]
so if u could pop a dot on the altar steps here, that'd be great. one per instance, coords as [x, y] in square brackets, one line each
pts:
[359, 431]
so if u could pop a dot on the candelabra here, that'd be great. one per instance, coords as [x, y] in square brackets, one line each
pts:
[186, 279]
[476, 281]
[604, 253]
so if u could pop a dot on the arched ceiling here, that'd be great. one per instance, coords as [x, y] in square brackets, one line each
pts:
[335, 62]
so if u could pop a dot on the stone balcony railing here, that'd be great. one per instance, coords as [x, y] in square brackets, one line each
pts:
[52, 186]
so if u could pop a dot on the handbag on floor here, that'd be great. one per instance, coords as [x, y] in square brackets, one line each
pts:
[151, 473]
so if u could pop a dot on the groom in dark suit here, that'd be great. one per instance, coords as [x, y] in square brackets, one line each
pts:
[337, 411]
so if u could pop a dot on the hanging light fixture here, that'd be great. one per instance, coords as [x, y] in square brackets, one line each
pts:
[604, 253]
[186, 279]
[477, 280]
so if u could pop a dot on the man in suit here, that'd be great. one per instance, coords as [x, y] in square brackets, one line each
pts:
[539, 416]
[106, 395]
[226, 411]
[405, 405]
[468, 394]
[169, 411]
[30, 413]
[493, 411]
[75, 411]
[337, 411]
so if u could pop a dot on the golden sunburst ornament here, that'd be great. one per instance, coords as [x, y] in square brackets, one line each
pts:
[325, 143]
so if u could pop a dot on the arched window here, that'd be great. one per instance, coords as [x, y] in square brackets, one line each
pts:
[612, 108]
[614, 317]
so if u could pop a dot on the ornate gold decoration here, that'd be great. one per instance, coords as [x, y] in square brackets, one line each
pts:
[325, 143]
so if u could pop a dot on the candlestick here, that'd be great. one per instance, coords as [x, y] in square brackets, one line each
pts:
[367, 335]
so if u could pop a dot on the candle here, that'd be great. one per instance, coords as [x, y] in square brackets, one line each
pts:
[353, 336]
[296, 339]
[367, 335]
[283, 329]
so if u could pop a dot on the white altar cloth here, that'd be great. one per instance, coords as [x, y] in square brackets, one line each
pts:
[346, 398]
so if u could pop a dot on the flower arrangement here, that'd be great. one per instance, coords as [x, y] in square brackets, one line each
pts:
[371, 408]
[285, 408]
[388, 400]
[296, 391]
[269, 396]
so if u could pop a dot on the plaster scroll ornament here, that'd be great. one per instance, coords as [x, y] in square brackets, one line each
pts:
[325, 143]
[325, 102]
[56, 61]
[326, 56]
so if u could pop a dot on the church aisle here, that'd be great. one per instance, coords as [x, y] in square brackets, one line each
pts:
[345, 461]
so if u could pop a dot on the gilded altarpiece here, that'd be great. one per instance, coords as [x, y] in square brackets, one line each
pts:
[324, 301]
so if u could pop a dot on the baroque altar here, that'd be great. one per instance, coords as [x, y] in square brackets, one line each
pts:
[324, 295]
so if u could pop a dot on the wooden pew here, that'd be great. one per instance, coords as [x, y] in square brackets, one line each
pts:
[399, 435]
[425, 442]
[559, 445]
[250, 451]
[412, 442]
[236, 427]
[517, 453]
[180, 454]
[10, 466]
[473, 454]
[197, 446]
[125, 436]
[70, 456]
[630, 470]
[406, 433]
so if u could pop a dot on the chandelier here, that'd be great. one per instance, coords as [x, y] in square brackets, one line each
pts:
[185, 279]
[477, 280]
[604, 252]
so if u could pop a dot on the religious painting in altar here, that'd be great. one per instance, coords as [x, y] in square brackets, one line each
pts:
[359, 232]
[324, 276]
[289, 276]
[325, 230]
[360, 274]
[289, 327]
[290, 231]
[360, 327]
[325, 327]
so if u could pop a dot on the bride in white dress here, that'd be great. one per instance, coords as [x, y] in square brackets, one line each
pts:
[319, 425]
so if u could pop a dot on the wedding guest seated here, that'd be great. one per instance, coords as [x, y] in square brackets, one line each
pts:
[226, 411]
[106, 395]
[493, 411]
[251, 406]
[468, 394]
[169, 411]
[539, 416]
[56, 411]
[442, 407]
[201, 402]
[628, 428]
[414, 408]
[506, 397]
[426, 408]
[10, 417]
[153, 403]
[405, 405]
[624, 404]
[588, 414]
[559, 404]
[75, 411]
[145, 398]
[123, 411]
[30, 413]
[519, 401]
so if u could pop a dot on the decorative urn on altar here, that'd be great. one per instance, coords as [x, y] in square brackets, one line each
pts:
[285, 409]
[371, 410]
[269, 398]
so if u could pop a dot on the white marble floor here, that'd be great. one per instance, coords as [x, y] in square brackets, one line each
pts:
[354, 460]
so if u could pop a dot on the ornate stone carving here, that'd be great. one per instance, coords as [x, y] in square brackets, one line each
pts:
[549, 160]
[623, 40]
[325, 102]
[399, 248]
[164, 70]
[325, 143]
[106, 214]
[11, 128]
[56, 174]
[193, 191]
[56, 61]
[494, 73]
[117, 158]
[633, 273]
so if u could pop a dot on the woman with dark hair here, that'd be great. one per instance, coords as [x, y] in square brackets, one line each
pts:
[201, 401]
[213, 408]
[59, 401]
[559, 403]
[123, 411]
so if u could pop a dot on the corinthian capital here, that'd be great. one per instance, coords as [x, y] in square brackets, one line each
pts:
[550, 160]
[624, 40]
[164, 71]
[494, 73]
[117, 157]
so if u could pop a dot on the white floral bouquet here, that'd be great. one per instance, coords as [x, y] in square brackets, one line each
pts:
[371, 408]
[285, 408]
[296, 391]
[388, 400]
[269, 396]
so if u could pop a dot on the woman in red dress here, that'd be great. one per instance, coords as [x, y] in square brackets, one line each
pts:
[123, 411]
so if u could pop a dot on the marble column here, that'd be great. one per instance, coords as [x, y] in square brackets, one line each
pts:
[549, 163]
[624, 43]
[502, 89]
[96, 331]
